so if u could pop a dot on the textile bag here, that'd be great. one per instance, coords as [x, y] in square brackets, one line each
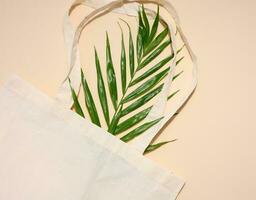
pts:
[49, 152]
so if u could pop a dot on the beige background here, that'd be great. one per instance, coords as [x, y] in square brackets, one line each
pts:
[216, 151]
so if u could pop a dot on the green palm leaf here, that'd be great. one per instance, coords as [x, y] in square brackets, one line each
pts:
[155, 69]
[173, 94]
[154, 147]
[89, 101]
[149, 45]
[142, 101]
[132, 121]
[177, 75]
[146, 86]
[138, 131]
[140, 36]
[123, 65]
[146, 24]
[152, 70]
[178, 62]
[131, 53]
[111, 76]
[115, 121]
[76, 104]
[156, 42]
[101, 89]
[154, 54]
[154, 26]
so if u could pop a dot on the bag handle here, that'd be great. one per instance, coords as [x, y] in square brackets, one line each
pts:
[72, 39]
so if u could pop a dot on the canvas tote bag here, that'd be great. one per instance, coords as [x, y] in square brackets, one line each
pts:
[49, 152]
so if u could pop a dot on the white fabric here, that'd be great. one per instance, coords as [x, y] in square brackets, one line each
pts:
[48, 152]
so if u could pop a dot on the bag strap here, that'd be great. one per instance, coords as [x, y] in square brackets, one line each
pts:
[72, 37]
